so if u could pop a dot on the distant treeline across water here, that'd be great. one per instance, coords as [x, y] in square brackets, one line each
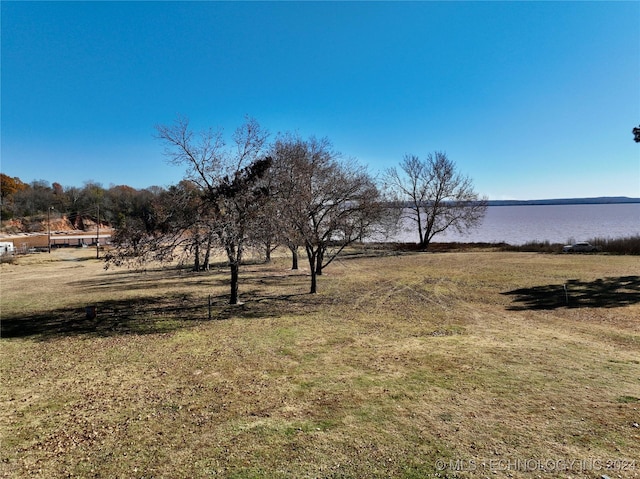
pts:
[601, 200]
[556, 223]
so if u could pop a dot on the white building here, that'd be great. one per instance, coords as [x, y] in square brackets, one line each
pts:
[6, 247]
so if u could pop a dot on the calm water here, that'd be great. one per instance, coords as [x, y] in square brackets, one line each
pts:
[555, 223]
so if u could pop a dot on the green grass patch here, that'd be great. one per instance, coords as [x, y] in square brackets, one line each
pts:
[628, 399]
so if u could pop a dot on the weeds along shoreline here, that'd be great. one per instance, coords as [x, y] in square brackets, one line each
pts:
[625, 245]
[628, 245]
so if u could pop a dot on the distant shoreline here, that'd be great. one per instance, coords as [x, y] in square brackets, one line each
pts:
[601, 200]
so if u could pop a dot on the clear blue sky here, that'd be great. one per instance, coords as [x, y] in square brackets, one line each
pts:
[530, 99]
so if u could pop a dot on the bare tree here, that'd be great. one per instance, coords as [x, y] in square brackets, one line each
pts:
[228, 177]
[436, 196]
[328, 204]
[268, 229]
[236, 203]
[284, 177]
[223, 208]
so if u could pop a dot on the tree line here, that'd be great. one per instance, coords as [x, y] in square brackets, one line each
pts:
[248, 193]
[92, 201]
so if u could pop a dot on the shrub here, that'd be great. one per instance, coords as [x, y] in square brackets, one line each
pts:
[533, 247]
[7, 259]
[625, 245]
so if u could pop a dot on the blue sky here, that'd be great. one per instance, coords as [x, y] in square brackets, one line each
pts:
[530, 99]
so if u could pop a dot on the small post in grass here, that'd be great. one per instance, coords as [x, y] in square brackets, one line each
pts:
[209, 307]
[91, 312]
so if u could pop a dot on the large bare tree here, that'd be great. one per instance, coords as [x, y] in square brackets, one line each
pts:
[219, 200]
[284, 176]
[326, 203]
[229, 178]
[436, 196]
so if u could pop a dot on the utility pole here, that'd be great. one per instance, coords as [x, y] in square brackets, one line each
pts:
[49, 228]
[98, 234]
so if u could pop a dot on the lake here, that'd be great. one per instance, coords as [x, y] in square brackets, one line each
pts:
[517, 225]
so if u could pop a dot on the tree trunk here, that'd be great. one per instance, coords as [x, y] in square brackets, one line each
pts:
[319, 259]
[267, 253]
[196, 262]
[428, 232]
[294, 257]
[314, 282]
[234, 255]
[207, 255]
[312, 256]
[419, 220]
[233, 294]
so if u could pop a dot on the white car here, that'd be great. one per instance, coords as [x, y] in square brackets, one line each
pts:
[582, 247]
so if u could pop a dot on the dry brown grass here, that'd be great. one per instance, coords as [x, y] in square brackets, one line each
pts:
[415, 365]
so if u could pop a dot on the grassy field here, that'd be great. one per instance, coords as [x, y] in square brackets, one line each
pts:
[414, 365]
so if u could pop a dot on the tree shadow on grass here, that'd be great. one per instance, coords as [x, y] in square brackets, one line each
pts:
[150, 315]
[163, 313]
[138, 316]
[265, 307]
[129, 280]
[601, 293]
